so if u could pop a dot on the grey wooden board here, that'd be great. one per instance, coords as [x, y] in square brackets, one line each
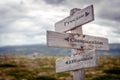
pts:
[79, 18]
[74, 41]
[86, 60]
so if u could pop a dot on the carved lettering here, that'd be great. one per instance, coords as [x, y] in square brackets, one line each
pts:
[78, 60]
[83, 41]
[76, 18]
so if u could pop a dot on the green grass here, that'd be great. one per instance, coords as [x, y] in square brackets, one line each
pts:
[108, 69]
[107, 77]
[43, 68]
[7, 65]
[114, 70]
[110, 74]
[43, 78]
[19, 73]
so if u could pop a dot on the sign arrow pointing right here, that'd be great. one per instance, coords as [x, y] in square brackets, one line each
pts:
[81, 17]
[86, 14]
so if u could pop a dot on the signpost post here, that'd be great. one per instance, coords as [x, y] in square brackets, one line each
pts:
[78, 74]
[83, 46]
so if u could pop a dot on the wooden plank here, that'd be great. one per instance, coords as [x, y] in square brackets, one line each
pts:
[74, 41]
[80, 73]
[86, 60]
[79, 18]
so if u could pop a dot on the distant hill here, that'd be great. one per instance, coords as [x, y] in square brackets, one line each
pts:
[114, 49]
[30, 49]
[44, 50]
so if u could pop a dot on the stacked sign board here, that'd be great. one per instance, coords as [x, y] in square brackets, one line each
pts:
[79, 18]
[76, 41]
[86, 60]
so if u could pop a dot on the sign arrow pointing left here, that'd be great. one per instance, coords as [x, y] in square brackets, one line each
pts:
[78, 41]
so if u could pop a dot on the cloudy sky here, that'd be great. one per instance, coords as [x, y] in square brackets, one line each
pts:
[26, 21]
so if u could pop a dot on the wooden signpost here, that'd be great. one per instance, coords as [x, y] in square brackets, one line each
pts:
[86, 60]
[78, 41]
[83, 46]
[78, 18]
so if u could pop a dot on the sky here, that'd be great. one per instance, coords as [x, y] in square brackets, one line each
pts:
[25, 22]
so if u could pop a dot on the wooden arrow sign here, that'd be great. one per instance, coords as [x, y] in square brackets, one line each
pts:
[79, 18]
[71, 40]
[85, 60]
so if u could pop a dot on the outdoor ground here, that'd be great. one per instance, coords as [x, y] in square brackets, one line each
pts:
[43, 68]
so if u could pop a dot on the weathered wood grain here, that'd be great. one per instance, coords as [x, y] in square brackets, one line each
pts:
[86, 60]
[76, 41]
[79, 18]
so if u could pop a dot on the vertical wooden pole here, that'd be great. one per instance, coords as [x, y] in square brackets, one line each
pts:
[77, 74]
